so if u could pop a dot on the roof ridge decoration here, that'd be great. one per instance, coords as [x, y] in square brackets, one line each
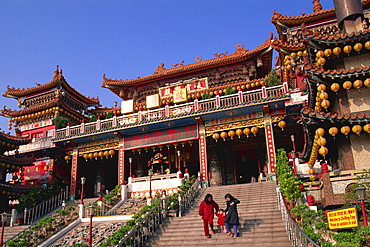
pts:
[222, 58]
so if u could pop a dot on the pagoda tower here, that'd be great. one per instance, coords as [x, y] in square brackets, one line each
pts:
[41, 108]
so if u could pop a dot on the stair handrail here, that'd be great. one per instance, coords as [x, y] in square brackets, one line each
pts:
[187, 199]
[146, 227]
[33, 214]
[295, 234]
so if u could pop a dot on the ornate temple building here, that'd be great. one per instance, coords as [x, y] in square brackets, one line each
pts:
[12, 165]
[222, 118]
[326, 55]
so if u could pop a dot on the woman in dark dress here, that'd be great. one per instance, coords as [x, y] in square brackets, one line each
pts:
[232, 217]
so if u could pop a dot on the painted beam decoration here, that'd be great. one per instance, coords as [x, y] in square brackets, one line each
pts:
[158, 137]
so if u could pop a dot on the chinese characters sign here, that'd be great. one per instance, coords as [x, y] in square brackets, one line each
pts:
[178, 92]
[270, 144]
[342, 218]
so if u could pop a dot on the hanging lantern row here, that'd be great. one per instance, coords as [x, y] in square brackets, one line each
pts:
[322, 99]
[346, 49]
[96, 155]
[8, 166]
[232, 133]
[10, 193]
[349, 84]
[162, 147]
[54, 110]
[290, 60]
[7, 144]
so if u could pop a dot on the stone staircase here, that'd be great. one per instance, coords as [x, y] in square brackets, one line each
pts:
[10, 231]
[259, 216]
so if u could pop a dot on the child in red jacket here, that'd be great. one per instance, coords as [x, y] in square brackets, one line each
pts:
[207, 210]
[221, 214]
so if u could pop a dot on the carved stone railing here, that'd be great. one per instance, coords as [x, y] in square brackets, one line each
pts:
[233, 100]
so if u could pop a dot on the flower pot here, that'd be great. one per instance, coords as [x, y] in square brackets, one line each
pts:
[20, 221]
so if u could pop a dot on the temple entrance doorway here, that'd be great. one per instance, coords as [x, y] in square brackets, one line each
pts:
[237, 160]
[101, 174]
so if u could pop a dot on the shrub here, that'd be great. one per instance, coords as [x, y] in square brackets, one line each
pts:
[60, 122]
[272, 79]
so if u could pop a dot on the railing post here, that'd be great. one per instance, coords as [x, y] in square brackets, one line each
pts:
[180, 205]
[114, 123]
[167, 110]
[240, 95]
[139, 116]
[218, 100]
[196, 104]
[264, 91]
[98, 125]
[82, 128]
[68, 129]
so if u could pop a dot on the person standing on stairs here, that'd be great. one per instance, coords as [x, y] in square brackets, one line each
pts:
[207, 209]
[232, 217]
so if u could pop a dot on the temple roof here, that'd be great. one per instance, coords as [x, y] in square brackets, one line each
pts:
[15, 187]
[58, 80]
[13, 140]
[353, 118]
[279, 45]
[339, 36]
[17, 161]
[241, 54]
[316, 70]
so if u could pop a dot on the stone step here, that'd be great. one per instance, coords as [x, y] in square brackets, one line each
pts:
[10, 231]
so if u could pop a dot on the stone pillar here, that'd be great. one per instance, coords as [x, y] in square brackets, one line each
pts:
[121, 162]
[203, 153]
[270, 145]
[74, 178]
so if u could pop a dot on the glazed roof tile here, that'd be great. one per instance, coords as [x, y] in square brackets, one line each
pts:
[23, 161]
[279, 45]
[58, 79]
[339, 36]
[334, 116]
[15, 187]
[239, 55]
[317, 70]
[306, 18]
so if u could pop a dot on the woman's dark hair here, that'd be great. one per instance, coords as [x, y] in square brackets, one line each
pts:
[206, 199]
[229, 196]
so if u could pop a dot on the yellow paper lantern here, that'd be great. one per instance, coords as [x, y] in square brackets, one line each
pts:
[337, 50]
[322, 141]
[239, 132]
[357, 47]
[312, 177]
[223, 135]
[319, 54]
[312, 171]
[247, 131]
[347, 49]
[328, 52]
[323, 151]
[321, 61]
[347, 85]
[293, 55]
[321, 87]
[231, 133]
[254, 130]
[333, 131]
[324, 95]
[111, 153]
[101, 154]
[282, 124]
[305, 53]
[106, 154]
[216, 136]
[91, 156]
[367, 82]
[300, 53]
[96, 155]
[367, 128]
[357, 84]
[85, 156]
[357, 129]
[325, 103]
[320, 132]
[367, 45]
[345, 130]
[335, 87]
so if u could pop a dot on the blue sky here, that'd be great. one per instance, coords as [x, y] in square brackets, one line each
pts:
[123, 39]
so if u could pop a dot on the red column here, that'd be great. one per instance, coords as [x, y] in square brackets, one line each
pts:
[270, 145]
[202, 152]
[74, 174]
[121, 163]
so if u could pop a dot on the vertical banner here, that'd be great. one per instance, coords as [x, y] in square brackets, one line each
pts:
[74, 174]
[269, 134]
[203, 153]
[51, 170]
[121, 163]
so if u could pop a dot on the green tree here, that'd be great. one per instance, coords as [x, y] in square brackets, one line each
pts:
[60, 122]
[272, 79]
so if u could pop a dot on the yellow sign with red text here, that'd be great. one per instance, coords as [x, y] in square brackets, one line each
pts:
[342, 218]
